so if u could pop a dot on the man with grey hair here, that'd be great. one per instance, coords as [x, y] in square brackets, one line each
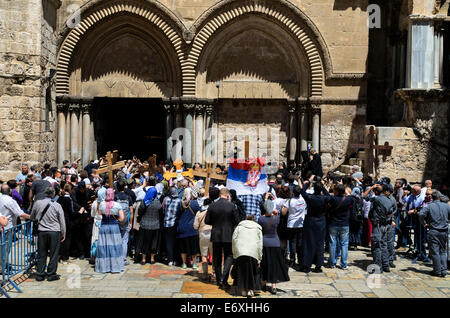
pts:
[9, 211]
[51, 232]
[9, 207]
[435, 218]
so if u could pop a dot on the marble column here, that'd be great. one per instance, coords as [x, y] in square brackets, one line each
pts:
[316, 127]
[92, 142]
[68, 133]
[61, 133]
[86, 145]
[292, 131]
[74, 132]
[199, 134]
[303, 122]
[420, 65]
[169, 128]
[188, 110]
[208, 153]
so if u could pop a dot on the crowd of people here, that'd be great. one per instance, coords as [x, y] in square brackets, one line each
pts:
[254, 238]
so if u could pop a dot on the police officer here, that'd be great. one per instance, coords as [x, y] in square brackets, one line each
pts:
[391, 229]
[435, 218]
[381, 216]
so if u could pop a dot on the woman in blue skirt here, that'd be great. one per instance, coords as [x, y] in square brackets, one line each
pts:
[109, 249]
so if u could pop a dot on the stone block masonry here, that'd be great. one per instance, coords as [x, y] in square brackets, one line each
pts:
[27, 107]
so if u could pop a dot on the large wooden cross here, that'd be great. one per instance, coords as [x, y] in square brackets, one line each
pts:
[111, 165]
[371, 146]
[208, 174]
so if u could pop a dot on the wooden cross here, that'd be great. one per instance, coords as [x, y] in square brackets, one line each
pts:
[208, 174]
[178, 164]
[112, 165]
[151, 165]
[371, 146]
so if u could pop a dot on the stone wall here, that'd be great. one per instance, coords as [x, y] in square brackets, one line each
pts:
[262, 123]
[341, 126]
[27, 51]
[421, 151]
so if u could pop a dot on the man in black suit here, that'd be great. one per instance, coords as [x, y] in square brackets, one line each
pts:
[220, 215]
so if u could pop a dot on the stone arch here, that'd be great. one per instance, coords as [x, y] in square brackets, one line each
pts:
[292, 18]
[255, 49]
[124, 57]
[97, 11]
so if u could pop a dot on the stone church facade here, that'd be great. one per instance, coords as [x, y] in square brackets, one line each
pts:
[293, 72]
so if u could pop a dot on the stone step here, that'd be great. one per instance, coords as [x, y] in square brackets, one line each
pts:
[356, 161]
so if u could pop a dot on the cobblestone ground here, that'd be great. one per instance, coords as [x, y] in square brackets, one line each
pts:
[158, 280]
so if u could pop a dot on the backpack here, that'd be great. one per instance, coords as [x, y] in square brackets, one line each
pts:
[357, 212]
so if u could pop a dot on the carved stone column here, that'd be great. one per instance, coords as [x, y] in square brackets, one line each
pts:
[86, 147]
[62, 110]
[315, 111]
[199, 133]
[74, 131]
[209, 121]
[303, 122]
[292, 140]
[188, 111]
[169, 128]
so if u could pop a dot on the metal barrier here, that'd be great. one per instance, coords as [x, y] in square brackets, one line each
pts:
[18, 253]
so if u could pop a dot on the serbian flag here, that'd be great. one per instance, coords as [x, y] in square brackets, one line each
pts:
[247, 176]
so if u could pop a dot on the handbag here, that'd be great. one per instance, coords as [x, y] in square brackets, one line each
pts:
[36, 223]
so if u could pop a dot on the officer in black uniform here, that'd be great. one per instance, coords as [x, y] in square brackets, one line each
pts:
[381, 216]
[391, 229]
[435, 218]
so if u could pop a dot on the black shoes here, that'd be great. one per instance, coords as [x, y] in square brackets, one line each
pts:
[273, 291]
[317, 270]
[392, 265]
[432, 273]
[53, 277]
[39, 278]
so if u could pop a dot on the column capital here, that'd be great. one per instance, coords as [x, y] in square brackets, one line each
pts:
[74, 107]
[315, 108]
[189, 107]
[85, 108]
[62, 107]
[292, 106]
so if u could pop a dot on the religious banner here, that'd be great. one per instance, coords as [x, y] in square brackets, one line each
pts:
[247, 176]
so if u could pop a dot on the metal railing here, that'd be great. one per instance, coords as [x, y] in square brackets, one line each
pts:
[18, 253]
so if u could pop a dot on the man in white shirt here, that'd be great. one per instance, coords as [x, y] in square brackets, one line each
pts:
[428, 185]
[9, 207]
[296, 207]
[9, 211]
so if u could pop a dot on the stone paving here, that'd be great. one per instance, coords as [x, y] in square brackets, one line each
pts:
[407, 280]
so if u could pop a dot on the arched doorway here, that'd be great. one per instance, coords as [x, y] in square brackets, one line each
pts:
[113, 82]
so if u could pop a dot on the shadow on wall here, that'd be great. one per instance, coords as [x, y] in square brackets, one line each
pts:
[354, 4]
[432, 127]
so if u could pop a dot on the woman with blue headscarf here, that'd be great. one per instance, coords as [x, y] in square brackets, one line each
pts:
[148, 242]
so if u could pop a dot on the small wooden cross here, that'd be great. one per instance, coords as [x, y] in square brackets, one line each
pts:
[371, 146]
[112, 165]
[150, 167]
[178, 165]
[208, 174]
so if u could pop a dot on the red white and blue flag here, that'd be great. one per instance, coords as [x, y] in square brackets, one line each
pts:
[247, 176]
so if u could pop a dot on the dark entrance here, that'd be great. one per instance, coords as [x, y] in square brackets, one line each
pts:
[133, 126]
